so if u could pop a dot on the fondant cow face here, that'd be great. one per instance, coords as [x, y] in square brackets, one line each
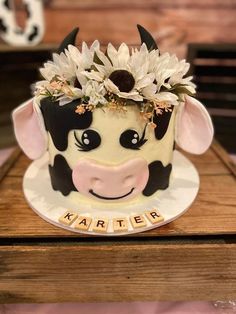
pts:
[107, 155]
[86, 144]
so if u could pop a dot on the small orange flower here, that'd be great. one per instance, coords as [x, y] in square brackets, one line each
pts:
[56, 85]
[90, 107]
[80, 109]
[66, 90]
[158, 111]
[112, 106]
[148, 115]
[152, 124]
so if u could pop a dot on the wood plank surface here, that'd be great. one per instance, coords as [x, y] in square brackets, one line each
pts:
[9, 162]
[213, 212]
[137, 271]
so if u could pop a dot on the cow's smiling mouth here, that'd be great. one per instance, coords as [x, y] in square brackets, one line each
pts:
[110, 198]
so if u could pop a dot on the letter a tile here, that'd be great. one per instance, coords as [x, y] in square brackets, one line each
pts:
[68, 218]
[83, 223]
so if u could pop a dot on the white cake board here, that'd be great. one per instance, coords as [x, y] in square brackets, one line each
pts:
[171, 203]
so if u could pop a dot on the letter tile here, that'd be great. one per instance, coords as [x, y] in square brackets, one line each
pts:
[68, 218]
[100, 225]
[83, 223]
[138, 221]
[154, 216]
[120, 224]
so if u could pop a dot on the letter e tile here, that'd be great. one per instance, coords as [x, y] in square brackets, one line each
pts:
[68, 218]
[138, 221]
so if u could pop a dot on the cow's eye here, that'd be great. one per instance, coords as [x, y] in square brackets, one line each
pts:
[130, 139]
[90, 139]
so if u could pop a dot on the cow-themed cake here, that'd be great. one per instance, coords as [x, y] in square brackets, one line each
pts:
[107, 122]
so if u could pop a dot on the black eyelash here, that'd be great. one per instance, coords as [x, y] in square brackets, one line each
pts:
[142, 140]
[80, 145]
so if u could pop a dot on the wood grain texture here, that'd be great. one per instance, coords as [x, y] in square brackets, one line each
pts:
[219, 151]
[117, 272]
[4, 168]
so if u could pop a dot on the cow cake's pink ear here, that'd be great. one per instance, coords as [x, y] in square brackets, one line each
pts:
[194, 129]
[29, 129]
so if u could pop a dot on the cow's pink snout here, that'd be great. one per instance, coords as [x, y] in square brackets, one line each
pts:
[119, 182]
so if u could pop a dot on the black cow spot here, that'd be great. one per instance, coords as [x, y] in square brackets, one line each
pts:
[61, 176]
[27, 10]
[3, 27]
[159, 177]
[162, 122]
[33, 34]
[6, 4]
[59, 120]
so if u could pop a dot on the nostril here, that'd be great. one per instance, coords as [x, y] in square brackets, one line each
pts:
[128, 180]
[96, 182]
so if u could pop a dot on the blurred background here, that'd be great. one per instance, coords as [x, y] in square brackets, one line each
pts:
[203, 31]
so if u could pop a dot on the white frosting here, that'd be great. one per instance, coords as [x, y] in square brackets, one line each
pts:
[110, 125]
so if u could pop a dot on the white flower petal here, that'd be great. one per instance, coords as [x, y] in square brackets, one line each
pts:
[64, 101]
[93, 75]
[131, 95]
[111, 87]
[112, 54]
[123, 56]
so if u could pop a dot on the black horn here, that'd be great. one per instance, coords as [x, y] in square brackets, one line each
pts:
[68, 40]
[147, 38]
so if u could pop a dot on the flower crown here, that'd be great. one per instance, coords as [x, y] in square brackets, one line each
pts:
[117, 78]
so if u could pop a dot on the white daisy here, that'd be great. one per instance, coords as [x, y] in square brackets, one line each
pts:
[83, 59]
[123, 74]
[59, 89]
[169, 71]
[95, 92]
[62, 66]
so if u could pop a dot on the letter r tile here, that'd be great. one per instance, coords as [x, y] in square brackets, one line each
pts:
[100, 225]
[154, 216]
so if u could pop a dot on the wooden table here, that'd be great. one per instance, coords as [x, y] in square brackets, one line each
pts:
[192, 258]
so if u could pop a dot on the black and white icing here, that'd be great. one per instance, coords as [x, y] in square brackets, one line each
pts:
[109, 139]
